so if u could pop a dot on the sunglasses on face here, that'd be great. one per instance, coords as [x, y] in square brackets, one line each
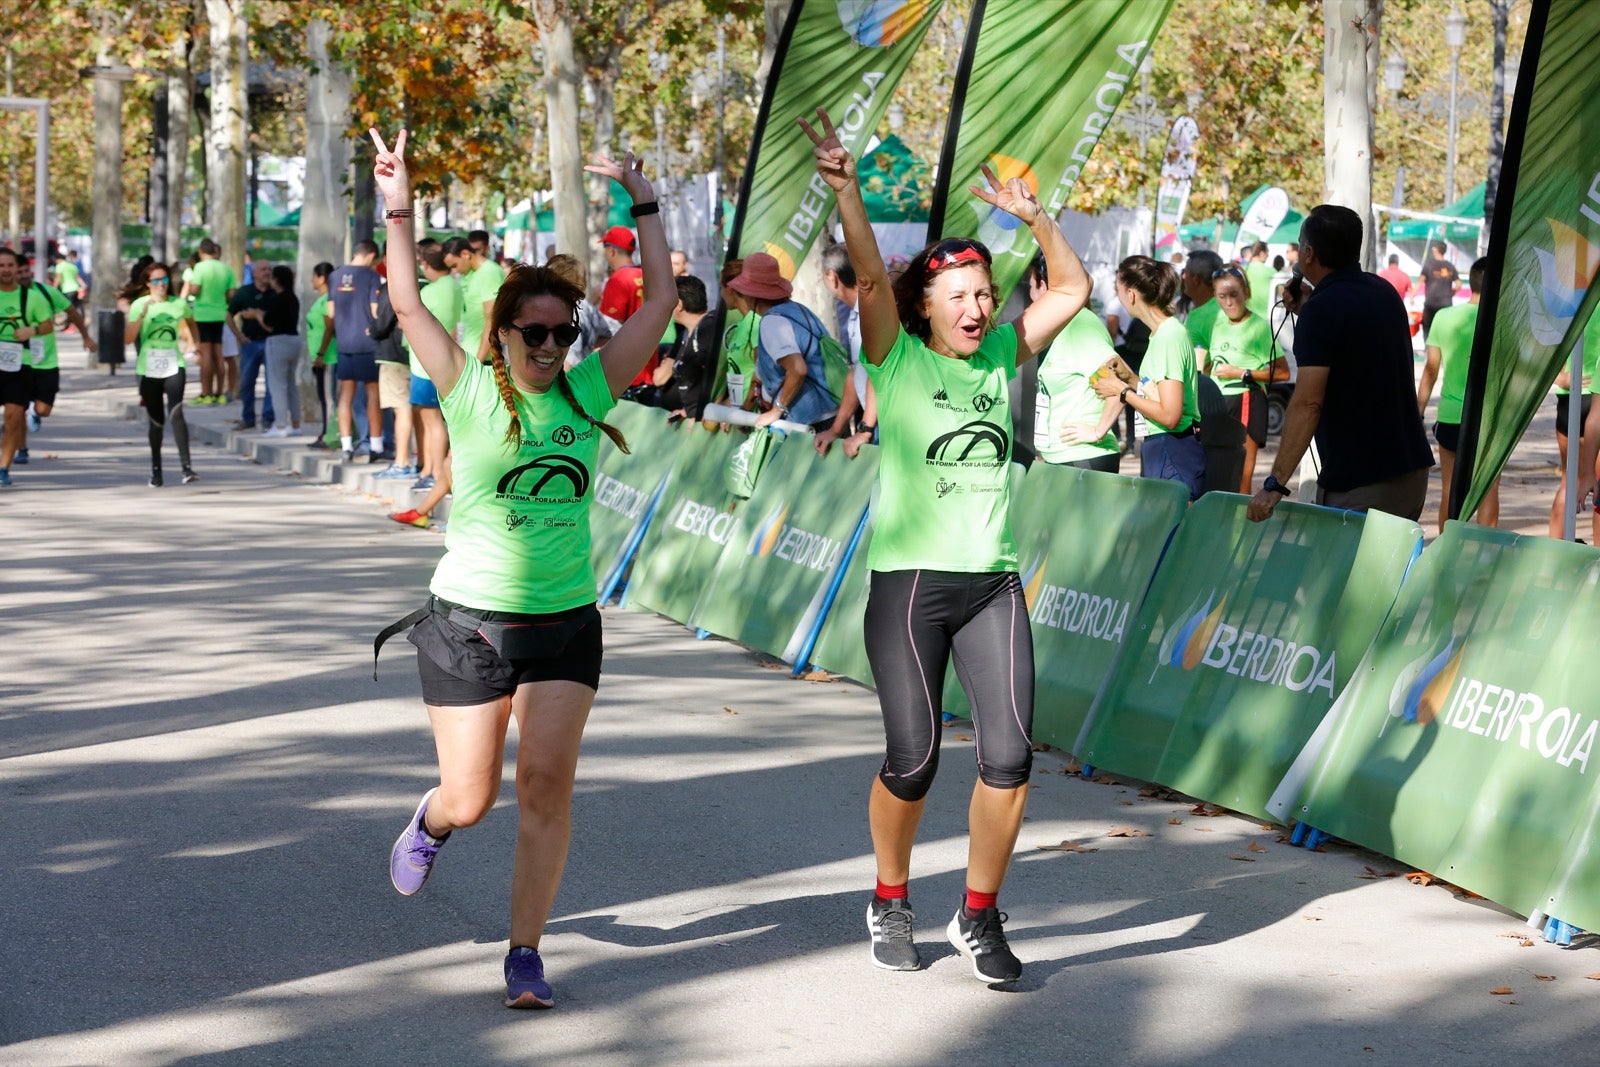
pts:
[1225, 271]
[159, 281]
[956, 252]
[534, 334]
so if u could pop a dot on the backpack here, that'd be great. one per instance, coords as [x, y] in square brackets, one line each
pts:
[835, 357]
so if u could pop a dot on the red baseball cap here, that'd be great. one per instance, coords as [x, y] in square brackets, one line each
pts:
[619, 237]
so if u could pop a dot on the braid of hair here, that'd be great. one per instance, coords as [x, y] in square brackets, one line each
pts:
[610, 431]
[508, 395]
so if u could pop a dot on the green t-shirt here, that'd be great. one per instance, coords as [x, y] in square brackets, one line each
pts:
[478, 288]
[42, 348]
[944, 469]
[316, 326]
[739, 355]
[71, 280]
[1246, 343]
[1171, 357]
[1200, 322]
[14, 354]
[1591, 359]
[212, 279]
[1260, 276]
[1065, 395]
[1451, 334]
[443, 298]
[159, 335]
[519, 525]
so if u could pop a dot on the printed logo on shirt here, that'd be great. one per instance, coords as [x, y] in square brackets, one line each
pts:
[983, 402]
[563, 436]
[975, 444]
[941, 395]
[548, 479]
[945, 487]
[163, 330]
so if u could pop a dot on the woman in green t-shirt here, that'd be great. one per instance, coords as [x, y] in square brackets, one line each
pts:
[1167, 395]
[1240, 359]
[316, 326]
[1071, 422]
[512, 629]
[162, 324]
[943, 557]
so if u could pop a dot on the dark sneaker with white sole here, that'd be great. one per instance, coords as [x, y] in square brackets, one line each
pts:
[890, 923]
[525, 983]
[982, 939]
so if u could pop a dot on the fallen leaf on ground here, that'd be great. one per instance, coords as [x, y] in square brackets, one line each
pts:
[1268, 827]
[820, 676]
[1519, 937]
[1128, 803]
[1204, 830]
[1593, 977]
[1241, 859]
[1420, 878]
[1207, 809]
[1253, 847]
[1373, 872]
[1039, 746]
[1501, 991]
[1072, 767]
[1126, 831]
[730, 711]
[962, 737]
[1174, 822]
[1067, 846]
[1545, 977]
[1312, 918]
[1103, 779]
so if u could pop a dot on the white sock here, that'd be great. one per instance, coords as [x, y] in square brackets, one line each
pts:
[347, 443]
[376, 444]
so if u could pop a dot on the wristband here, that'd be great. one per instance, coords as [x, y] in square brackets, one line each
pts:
[399, 213]
[639, 211]
[1272, 485]
[1123, 396]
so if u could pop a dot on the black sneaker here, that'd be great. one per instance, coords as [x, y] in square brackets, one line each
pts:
[982, 939]
[889, 922]
[347, 455]
[189, 476]
[155, 479]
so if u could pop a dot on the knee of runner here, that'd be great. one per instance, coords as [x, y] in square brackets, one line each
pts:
[909, 787]
[462, 810]
[1007, 777]
[544, 791]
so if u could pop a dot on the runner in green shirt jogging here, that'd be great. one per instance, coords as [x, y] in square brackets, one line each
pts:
[943, 557]
[512, 628]
[1449, 349]
[161, 322]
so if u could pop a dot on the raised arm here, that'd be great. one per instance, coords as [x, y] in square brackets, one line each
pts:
[432, 344]
[880, 319]
[636, 340]
[1069, 285]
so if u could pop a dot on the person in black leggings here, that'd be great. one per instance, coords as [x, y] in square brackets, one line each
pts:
[943, 557]
[158, 321]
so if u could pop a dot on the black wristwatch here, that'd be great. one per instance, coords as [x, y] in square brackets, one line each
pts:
[1123, 396]
[1272, 485]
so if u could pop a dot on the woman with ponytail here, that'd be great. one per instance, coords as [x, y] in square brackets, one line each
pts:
[511, 629]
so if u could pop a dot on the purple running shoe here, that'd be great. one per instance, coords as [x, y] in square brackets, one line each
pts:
[525, 984]
[411, 859]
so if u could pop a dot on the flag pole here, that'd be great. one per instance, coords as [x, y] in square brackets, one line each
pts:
[958, 100]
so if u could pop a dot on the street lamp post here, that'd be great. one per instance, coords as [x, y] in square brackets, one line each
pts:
[1451, 106]
[1140, 115]
[1455, 35]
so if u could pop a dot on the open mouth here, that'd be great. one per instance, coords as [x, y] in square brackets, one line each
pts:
[972, 331]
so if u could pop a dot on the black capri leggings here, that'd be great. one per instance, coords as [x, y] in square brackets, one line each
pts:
[163, 403]
[915, 621]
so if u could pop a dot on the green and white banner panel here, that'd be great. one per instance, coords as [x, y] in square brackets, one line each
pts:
[696, 516]
[1248, 634]
[1464, 746]
[769, 584]
[1089, 544]
[627, 482]
[841, 646]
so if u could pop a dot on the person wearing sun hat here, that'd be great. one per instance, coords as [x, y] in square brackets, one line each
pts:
[789, 347]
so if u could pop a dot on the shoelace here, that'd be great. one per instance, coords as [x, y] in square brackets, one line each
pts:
[895, 923]
[527, 967]
[989, 933]
[422, 851]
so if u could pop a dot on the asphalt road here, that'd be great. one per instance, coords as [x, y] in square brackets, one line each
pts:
[201, 782]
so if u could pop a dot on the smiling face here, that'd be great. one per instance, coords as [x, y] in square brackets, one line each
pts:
[958, 304]
[535, 369]
[1231, 298]
[10, 269]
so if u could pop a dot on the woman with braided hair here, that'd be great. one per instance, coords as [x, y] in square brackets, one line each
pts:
[511, 628]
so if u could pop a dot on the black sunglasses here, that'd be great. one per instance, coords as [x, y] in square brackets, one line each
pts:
[1235, 271]
[534, 334]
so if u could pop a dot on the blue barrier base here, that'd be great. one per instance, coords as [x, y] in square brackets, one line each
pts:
[1304, 835]
[1086, 772]
[1559, 933]
[701, 635]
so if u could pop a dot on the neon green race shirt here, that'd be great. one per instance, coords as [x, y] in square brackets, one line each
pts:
[1451, 334]
[1246, 343]
[1199, 324]
[1170, 357]
[944, 471]
[71, 280]
[159, 335]
[1260, 276]
[1065, 395]
[316, 326]
[42, 349]
[519, 526]
[1591, 359]
[14, 313]
[477, 289]
[212, 279]
[443, 298]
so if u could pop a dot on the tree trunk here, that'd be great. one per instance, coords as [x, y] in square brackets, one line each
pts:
[10, 162]
[561, 79]
[777, 12]
[363, 196]
[180, 117]
[230, 49]
[326, 208]
[598, 207]
[156, 186]
[1497, 116]
[1347, 122]
[107, 218]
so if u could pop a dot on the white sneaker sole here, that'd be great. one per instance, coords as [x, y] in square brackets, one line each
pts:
[528, 1000]
[953, 934]
[414, 817]
[872, 944]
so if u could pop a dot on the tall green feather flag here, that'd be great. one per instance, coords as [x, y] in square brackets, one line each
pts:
[842, 55]
[1544, 249]
[1038, 83]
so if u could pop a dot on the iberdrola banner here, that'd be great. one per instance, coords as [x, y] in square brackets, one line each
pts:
[1465, 746]
[1037, 86]
[842, 55]
[1544, 247]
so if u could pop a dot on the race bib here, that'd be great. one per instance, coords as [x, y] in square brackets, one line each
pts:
[1041, 421]
[161, 362]
[37, 346]
[10, 357]
[736, 387]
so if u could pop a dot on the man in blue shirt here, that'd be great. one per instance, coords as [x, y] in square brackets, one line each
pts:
[352, 309]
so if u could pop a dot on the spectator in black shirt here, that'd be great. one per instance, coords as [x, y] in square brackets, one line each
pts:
[694, 360]
[281, 318]
[1439, 281]
[1356, 391]
[245, 317]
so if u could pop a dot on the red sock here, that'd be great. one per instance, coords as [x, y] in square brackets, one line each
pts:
[977, 901]
[892, 892]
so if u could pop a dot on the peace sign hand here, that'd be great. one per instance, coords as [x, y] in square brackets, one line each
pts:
[1013, 197]
[629, 174]
[834, 161]
[389, 171]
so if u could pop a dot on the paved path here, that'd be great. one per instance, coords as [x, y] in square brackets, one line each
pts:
[201, 782]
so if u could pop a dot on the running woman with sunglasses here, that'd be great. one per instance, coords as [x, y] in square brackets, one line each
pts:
[512, 628]
[156, 321]
[943, 557]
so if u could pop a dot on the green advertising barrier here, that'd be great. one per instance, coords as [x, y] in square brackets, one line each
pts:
[841, 646]
[1464, 747]
[694, 520]
[1249, 632]
[1089, 543]
[768, 586]
[625, 484]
